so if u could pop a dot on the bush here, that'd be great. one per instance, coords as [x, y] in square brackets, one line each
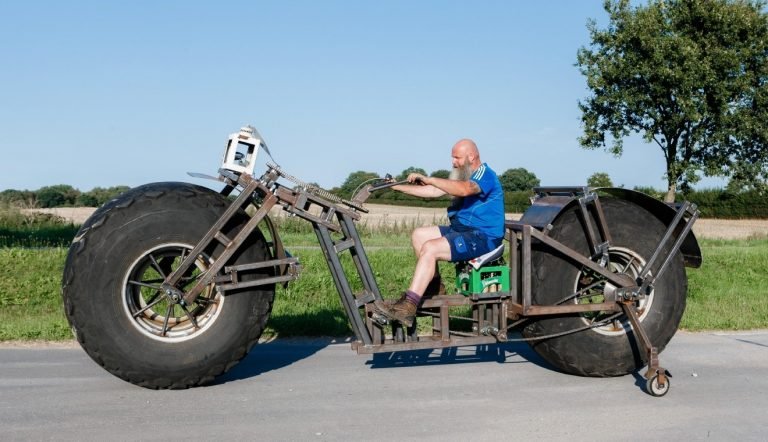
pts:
[514, 202]
[19, 229]
[719, 203]
[57, 196]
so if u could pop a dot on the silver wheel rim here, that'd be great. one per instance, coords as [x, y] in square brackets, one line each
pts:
[622, 260]
[151, 312]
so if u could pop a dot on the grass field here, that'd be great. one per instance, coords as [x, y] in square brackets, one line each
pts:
[729, 291]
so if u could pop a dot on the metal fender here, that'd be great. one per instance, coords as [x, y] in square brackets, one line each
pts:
[544, 210]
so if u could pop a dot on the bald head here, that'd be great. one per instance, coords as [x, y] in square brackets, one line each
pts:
[465, 154]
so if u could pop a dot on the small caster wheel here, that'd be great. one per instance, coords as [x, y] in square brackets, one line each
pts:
[655, 388]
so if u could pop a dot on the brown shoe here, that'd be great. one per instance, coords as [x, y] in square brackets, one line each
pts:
[402, 310]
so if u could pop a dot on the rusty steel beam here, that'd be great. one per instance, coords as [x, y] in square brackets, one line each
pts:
[424, 343]
[229, 249]
[538, 310]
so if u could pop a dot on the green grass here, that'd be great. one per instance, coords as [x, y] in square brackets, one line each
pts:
[30, 294]
[19, 229]
[729, 292]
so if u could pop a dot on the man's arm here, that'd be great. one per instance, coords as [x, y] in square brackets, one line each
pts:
[419, 190]
[434, 187]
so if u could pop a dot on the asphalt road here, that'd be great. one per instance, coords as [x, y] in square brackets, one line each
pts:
[319, 390]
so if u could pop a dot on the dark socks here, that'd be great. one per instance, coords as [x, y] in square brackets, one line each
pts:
[413, 297]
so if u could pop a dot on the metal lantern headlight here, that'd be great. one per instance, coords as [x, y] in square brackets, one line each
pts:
[242, 148]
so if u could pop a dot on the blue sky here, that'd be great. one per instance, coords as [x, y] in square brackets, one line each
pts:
[125, 93]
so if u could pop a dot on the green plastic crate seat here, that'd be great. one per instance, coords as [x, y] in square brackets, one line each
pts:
[483, 274]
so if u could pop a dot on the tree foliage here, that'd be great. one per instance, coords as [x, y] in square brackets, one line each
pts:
[353, 182]
[599, 179]
[61, 195]
[519, 179]
[690, 76]
[100, 195]
[404, 174]
[20, 198]
[441, 173]
[57, 196]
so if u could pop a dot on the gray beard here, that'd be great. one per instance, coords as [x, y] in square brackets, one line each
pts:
[462, 173]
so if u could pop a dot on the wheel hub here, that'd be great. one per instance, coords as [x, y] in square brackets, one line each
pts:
[174, 295]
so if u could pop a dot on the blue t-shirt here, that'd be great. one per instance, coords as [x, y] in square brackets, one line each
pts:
[483, 211]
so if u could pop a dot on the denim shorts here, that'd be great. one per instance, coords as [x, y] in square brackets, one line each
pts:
[467, 244]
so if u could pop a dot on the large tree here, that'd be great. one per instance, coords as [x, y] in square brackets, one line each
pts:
[688, 75]
[599, 179]
[513, 180]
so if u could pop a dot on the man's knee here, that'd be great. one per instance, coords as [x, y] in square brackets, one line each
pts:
[421, 235]
[436, 249]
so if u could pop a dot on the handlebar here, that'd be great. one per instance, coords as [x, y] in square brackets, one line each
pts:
[387, 185]
[362, 195]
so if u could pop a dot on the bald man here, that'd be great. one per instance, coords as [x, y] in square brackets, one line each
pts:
[476, 225]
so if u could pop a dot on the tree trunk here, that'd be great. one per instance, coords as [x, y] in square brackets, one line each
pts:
[670, 196]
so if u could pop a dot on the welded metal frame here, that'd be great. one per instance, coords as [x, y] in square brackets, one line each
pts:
[491, 312]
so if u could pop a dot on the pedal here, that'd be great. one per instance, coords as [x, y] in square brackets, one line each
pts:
[379, 319]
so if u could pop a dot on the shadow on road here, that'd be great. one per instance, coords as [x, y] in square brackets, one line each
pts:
[273, 355]
[510, 352]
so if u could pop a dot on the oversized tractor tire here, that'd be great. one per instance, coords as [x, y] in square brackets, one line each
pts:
[609, 349]
[126, 323]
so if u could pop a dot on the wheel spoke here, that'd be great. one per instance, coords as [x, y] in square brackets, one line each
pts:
[166, 265]
[205, 301]
[168, 313]
[579, 294]
[156, 266]
[154, 301]
[145, 284]
[191, 278]
[189, 315]
[631, 260]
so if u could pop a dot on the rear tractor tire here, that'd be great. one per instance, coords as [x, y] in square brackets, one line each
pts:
[609, 349]
[132, 328]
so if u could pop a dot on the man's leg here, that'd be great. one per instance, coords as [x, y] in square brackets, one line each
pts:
[430, 253]
[404, 310]
[419, 237]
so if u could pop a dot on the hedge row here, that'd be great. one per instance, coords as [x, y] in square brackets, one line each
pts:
[713, 203]
[717, 203]
[514, 202]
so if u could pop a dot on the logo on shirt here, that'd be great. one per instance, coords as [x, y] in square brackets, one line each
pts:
[461, 245]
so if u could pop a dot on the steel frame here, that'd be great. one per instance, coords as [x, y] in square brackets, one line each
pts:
[491, 312]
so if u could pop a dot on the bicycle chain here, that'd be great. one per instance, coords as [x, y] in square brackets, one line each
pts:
[563, 333]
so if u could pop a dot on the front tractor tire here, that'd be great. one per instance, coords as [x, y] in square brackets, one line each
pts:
[609, 348]
[112, 296]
